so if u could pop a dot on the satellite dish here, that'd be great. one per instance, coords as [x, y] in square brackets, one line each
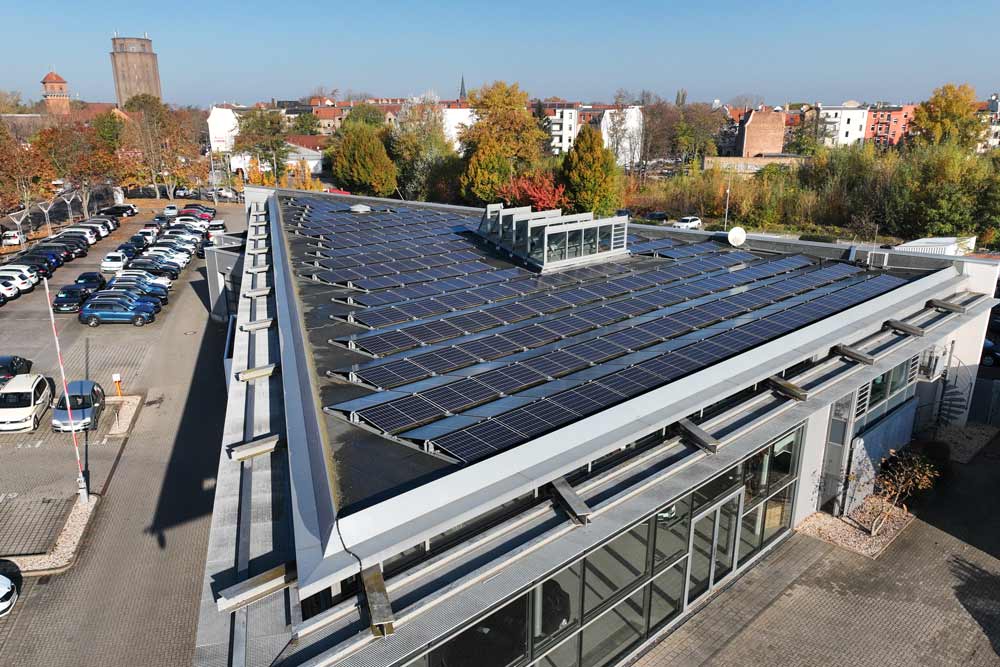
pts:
[737, 236]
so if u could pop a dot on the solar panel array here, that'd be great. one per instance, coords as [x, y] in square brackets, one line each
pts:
[473, 356]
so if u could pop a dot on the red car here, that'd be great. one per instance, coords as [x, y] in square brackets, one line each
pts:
[201, 215]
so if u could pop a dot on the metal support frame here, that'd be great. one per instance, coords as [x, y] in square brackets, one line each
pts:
[578, 510]
[853, 354]
[786, 388]
[252, 448]
[259, 251]
[377, 600]
[257, 325]
[259, 291]
[699, 436]
[904, 328]
[256, 373]
[255, 588]
[948, 306]
[259, 269]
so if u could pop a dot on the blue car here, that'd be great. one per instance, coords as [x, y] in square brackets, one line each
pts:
[130, 297]
[143, 287]
[99, 311]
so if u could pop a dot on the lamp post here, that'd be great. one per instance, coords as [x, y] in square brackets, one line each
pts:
[729, 185]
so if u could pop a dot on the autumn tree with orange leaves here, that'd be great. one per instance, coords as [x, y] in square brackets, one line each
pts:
[79, 156]
[25, 173]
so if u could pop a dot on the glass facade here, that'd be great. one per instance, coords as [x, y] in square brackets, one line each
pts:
[594, 611]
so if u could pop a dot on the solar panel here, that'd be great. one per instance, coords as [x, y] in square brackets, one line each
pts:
[553, 364]
[464, 446]
[459, 395]
[400, 414]
[387, 343]
[444, 360]
[392, 374]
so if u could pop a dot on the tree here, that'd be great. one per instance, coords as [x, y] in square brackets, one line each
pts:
[537, 189]
[147, 135]
[417, 144]
[506, 133]
[901, 475]
[109, 127]
[262, 135]
[746, 101]
[618, 123]
[360, 163]
[949, 116]
[305, 123]
[365, 113]
[593, 180]
[78, 156]
[25, 173]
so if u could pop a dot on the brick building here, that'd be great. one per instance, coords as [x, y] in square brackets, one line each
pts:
[135, 67]
[56, 94]
[889, 124]
[760, 133]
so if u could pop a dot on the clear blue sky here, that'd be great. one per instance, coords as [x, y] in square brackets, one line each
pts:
[215, 51]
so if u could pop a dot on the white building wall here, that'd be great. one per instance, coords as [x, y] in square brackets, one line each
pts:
[453, 120]
[811, 465]
[564, 127]
[223, 127]
[846, 124]
[631, 140]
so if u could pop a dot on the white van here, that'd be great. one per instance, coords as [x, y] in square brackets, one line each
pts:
[23, 401]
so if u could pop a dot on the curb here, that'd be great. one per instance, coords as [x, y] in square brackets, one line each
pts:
[72, 559]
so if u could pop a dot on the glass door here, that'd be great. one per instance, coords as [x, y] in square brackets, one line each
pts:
[712, 546]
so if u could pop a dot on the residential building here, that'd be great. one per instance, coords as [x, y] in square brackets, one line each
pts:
[330, 118]
[456, 114]
[224, 126]
[889, 125]
[990, 114]
[621, 128]
[563, 120]
[845, 124]
[135, 68]
[239, 163]
[56, 95]
[434, 456]
[760, 133]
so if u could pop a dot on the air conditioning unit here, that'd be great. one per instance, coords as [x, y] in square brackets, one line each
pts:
[933, 363]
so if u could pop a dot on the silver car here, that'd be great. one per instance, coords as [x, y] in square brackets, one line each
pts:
[86, 399]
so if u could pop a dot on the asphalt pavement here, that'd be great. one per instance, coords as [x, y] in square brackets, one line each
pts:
[132, 596]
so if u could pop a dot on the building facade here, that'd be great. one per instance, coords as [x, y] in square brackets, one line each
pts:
[563, 125]
[223, 127]
[990, 115]
[760, 133]
[843, 125]
[56, 95]
[889, 125]
[135, 68]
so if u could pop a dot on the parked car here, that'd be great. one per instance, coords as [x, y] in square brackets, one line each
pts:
[991, 355]
[19, 279]
[91, 280]
[98, 311]
[9, 290]
[87, 232]
[130, 296]
[20, 270]
[688, 222]
[69, 298]
[23, 401]
[31, 269]
[85, 399]
[109, 222]
[8, 596]
[139, 241]
[657, 215]
[61, 251]
[133, 272]
[42, 263]
[128, 250]
[121, 210]
[207, 243]
[170, 210]
[155, 267]
[141, 287]
[11, 365]
[182, 191]
[14, 237]
[169, 255]
[51, 255]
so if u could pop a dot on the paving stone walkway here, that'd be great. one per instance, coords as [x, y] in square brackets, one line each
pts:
[932, 598]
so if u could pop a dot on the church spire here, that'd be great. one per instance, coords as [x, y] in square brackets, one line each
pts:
[461, 92]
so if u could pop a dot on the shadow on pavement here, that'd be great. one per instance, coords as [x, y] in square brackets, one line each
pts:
[978, 591]
[189, 482]
[965, 502]
[200, 287]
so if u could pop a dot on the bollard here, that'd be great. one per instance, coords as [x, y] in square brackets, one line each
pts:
[117, 379]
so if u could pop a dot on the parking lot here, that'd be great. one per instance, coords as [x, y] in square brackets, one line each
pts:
[139, 566]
